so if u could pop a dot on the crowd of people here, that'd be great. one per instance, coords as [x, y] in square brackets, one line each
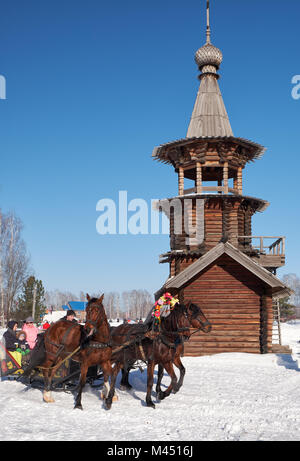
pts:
[20, 342]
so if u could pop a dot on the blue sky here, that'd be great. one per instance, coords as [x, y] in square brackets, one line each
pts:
[94, 86]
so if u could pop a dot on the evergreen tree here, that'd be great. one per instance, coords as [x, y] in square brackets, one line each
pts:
[286, 309]
[25, 301]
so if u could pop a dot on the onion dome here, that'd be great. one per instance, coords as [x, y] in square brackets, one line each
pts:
[208, 55]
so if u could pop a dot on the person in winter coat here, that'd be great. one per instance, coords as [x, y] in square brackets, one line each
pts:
[10, 341]
[23, 346]
[31, 332]
[70, 316]
[10, 337]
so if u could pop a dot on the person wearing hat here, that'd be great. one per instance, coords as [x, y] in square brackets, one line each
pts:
[31, 332]
[70, 316]
[10, 336]
[10, 340]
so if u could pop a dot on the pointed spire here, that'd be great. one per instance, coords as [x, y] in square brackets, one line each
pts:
[209, 117]
[207, 23]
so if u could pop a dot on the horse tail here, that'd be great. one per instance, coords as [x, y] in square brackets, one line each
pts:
[38, 355]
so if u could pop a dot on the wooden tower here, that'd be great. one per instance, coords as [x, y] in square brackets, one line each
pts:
[214, 258]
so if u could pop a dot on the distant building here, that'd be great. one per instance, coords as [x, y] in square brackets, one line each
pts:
[78, 307]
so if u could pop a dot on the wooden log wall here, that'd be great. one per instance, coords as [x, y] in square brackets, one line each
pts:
[236, 303]
[213, 222]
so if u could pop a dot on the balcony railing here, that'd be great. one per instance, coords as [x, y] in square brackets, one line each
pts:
[277, 248]
[212, 190]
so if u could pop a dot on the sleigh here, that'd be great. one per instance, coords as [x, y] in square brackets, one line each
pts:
[66, 377]
[9, 365]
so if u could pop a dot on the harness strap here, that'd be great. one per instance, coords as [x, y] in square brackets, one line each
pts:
[54, 367]
[96, 345]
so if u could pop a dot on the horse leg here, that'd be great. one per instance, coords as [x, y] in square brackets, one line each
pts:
[173, 385]
[150, 373]
[112, 397]
[109, 391]
[83, 372]
[179, 365]
[124, 384]
[47, 396]
[160, 374]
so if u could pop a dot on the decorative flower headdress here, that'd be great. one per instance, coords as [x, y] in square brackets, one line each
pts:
[166, 300]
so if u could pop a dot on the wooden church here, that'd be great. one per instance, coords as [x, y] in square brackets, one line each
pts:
[214, 258]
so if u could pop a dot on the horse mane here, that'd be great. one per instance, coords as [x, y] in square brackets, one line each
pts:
[170, 320]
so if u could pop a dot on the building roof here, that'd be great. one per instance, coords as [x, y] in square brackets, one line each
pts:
[209, 117]
[75, 305]
[279, 289]
[161, 152]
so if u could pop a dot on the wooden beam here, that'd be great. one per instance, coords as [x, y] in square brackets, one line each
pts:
[180, 181]
[225, 177]
[199, 178]
[240, 180]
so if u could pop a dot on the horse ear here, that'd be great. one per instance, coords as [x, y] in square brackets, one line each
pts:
[101, 298]
[88, 297]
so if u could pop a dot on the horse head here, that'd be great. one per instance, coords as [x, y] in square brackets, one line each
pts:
[94, 314]
[197, 318]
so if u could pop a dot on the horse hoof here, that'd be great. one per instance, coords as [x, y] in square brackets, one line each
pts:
[151, 405]
[161, 395]
[78, 407]
[108, 405]
[115, 398]
[47, 397]
[125, 387]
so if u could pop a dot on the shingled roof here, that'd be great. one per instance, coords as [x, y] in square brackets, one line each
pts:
[279, 289]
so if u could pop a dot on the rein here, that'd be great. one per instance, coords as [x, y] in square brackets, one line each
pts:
[54, 367]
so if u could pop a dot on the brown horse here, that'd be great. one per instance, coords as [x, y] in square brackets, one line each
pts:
[98, 350]
[58, 342]
[173, 329]
[198, 321]
[64, 338]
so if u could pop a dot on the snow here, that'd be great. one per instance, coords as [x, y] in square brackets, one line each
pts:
[53, 316]
[232, 396]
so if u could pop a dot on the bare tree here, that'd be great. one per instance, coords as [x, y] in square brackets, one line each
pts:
[293, 282]
[137, 303]
[14, 262]
[55, 299]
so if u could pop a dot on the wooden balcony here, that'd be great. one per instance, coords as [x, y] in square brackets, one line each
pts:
[268, 254]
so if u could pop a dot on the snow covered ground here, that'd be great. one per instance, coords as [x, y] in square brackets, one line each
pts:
[224, 397]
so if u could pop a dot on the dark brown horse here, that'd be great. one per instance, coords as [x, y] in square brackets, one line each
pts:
[173, 329]
[198, 321]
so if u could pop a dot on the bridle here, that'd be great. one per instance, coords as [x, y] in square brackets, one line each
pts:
[195, 315]
[94, 323]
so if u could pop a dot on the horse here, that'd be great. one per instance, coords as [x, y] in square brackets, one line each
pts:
[198, 321]
[98, 349]
[88, 346]
[174, 329]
